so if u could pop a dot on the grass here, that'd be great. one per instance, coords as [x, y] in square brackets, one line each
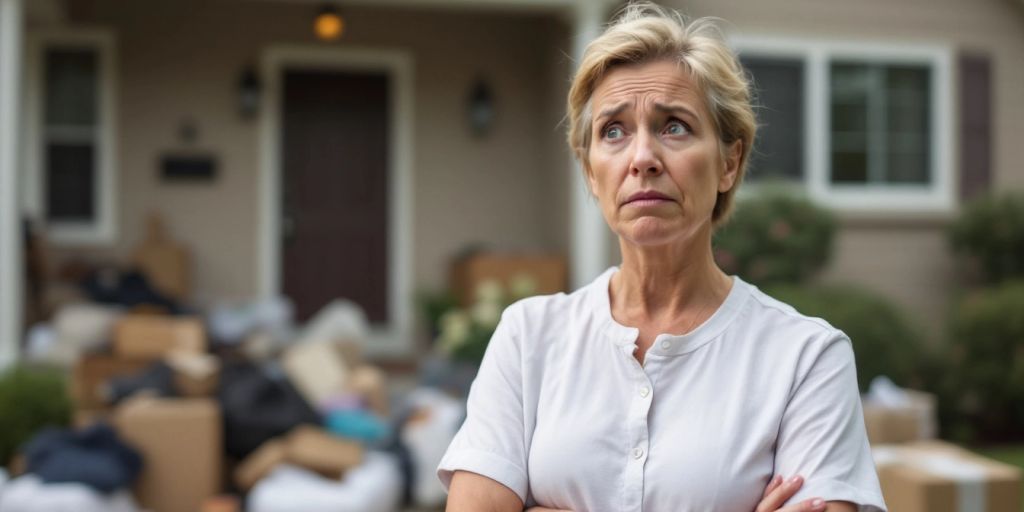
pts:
[1010, 454]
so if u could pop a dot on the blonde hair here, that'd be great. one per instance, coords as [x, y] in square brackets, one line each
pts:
[644, 32]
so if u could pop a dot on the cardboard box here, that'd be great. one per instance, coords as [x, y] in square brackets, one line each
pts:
[933, 476]
[91, 372]
[181, 441]
[317, 369]
[260, 463]
[915, 420]
[318, 450]
[151, 337]
[371, 383]
[548, 273]
[195, 375]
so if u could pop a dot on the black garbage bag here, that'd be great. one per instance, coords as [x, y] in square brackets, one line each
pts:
[157, 378]
[258, 404]
[93, 456]
[125, 288]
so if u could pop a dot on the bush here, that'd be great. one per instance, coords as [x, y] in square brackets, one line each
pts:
[775, 239]
[989, 237]
[986, 354]
[884, 343]
[30, 399]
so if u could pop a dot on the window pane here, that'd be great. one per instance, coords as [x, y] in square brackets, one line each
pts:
[70, 175]
[908, 101]
[71, 87]
[778, 95]
[851, 90]
[880, 123]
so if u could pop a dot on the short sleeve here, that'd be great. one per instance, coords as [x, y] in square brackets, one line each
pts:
[822, 435]
[492, 441]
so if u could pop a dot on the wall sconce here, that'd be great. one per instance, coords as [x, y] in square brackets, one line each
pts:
[328, 24]
[481, 110]
[249, 93]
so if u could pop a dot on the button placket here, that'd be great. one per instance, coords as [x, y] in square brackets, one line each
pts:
[637, 437]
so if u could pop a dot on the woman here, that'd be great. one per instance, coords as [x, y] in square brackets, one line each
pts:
[664, 385]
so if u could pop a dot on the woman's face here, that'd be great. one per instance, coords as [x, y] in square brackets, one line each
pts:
[655, 163]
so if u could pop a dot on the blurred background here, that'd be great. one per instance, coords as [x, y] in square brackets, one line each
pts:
[251, 251]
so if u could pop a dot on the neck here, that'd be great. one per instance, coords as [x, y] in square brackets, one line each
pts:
[667, 281]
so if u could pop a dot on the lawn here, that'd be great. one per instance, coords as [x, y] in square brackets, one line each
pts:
[1010, 454]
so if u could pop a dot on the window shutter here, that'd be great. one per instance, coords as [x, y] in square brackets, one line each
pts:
[975, 125]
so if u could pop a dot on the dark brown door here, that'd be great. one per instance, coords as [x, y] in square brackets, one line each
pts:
[335, 183]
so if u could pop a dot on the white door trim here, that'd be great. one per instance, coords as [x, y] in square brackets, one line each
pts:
[395, 338]
[11, 31]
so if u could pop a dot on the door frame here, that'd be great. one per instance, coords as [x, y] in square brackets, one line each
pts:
[393, 339]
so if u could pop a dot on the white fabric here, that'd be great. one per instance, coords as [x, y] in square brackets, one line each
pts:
[563, 414]
[28, 493]
[373, 486]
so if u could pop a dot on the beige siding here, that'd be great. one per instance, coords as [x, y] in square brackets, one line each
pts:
[182, 59]
[908, 262]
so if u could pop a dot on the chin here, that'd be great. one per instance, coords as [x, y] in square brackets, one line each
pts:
[650, 231]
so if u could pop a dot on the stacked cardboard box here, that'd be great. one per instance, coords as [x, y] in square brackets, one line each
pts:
[933, 476]
[913, 418]
[548, 273]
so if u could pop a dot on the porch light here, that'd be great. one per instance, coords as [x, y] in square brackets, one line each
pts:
[480, 108]
[249, 92]
[328, 24]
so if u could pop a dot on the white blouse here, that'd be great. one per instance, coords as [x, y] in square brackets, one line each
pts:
[564, 415]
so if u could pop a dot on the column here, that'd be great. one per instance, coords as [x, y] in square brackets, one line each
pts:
[11, 268]
[590, 234]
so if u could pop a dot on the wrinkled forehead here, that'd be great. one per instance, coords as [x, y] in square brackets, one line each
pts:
[642, 86]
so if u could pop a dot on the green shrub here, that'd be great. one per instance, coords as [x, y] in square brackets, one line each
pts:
[775, 239]
[989, 237]
[986, 355]
[883, 342]
[30, 399]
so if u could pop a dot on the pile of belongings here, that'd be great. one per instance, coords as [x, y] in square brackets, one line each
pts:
[296, 419]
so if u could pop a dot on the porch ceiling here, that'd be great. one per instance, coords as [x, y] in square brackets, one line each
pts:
[520, 5]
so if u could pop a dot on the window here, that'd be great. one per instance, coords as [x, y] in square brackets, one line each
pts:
[860, 126]
[778, 153]
[71, 128]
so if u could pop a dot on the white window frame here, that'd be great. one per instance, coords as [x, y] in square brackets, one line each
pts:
[103, 228]
[937, 196]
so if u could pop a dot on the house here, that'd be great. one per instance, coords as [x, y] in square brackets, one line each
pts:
[891, 112]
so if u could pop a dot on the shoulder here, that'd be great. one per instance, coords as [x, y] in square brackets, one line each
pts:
[780, 324]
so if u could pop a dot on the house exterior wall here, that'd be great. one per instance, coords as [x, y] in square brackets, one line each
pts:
[908, 261]
[181, 59]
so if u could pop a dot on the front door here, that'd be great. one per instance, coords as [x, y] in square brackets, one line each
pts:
[335, 190]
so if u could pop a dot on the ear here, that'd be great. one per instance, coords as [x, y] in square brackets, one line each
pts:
[732, 166]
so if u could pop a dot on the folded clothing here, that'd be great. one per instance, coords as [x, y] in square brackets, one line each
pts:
[93, 456]
[28, 493]
[373, 486]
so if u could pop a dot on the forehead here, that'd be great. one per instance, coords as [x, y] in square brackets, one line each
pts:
[663, 81]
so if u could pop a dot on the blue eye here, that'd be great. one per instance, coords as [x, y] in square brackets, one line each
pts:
[613, 132]
[676, 128]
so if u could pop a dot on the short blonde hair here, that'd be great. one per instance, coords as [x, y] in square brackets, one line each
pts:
[644, 32]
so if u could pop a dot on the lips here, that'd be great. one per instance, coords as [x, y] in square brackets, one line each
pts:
[647, 197]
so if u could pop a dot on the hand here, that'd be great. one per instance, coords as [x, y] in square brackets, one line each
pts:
[778, 492]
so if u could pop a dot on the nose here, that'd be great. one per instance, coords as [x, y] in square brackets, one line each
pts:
[646, 160]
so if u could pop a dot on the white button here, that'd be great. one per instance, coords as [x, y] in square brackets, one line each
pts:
[644, 391]
[666, 344]
[638, 452]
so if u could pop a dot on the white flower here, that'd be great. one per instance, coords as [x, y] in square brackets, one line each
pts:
[489, 290]
[523, 285]
[455, 327]
[486, 313]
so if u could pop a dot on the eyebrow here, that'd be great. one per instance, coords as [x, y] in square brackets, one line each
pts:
[660, 107]
[672, 109]
[611, 111]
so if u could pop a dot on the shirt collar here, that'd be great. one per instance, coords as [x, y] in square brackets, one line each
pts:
[666, 344]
